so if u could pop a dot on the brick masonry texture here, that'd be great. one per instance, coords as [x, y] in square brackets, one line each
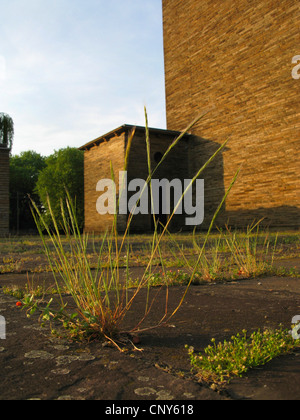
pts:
[234, 59]
[4, 191]
[96, 167]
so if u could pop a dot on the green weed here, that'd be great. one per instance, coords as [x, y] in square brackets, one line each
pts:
[220, 362]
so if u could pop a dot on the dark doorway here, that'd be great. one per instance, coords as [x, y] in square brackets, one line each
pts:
[160, 218]
[158, 157]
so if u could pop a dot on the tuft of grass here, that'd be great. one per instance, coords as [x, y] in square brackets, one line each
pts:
[230, 255]
[100, 296]
[220, 362]
[252, 253]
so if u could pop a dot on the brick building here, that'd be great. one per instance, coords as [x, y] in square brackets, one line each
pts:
[4, 190]
[234, 57]
[111, 147]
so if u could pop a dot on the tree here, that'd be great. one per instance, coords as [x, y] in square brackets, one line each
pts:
[24, 172]
[6, 130]
[63, 172]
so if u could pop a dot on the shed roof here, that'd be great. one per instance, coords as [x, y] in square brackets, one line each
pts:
[127, 128]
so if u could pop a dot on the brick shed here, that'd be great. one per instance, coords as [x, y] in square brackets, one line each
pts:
[4, 190]
[111, 147]
[236, 56]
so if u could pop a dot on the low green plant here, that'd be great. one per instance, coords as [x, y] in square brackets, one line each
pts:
[29, 291]
[287, 272]
[220, 362]
[15, 291]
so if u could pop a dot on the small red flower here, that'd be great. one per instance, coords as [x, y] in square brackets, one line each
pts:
[19, 304]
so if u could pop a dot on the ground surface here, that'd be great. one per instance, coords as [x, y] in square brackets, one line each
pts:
[35, 365]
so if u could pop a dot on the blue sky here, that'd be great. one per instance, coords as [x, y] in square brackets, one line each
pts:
[72, 70]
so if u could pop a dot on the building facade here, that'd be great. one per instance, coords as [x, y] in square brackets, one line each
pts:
[109, 151]
[235, 59]
[4, 191]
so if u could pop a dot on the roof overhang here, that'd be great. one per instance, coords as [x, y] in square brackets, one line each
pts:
[125, 129]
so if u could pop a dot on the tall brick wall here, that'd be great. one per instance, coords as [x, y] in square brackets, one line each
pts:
[4, 191]
[235, 59]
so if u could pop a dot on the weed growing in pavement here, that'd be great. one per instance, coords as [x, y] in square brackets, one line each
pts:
[220, 362]
[231, 255]
[25, 292]
[166, 278]
[22, 293]
[101, 297]
[248, 254]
